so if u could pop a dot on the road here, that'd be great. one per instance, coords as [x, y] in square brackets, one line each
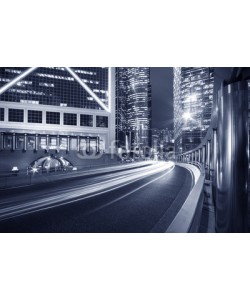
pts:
[142, 197]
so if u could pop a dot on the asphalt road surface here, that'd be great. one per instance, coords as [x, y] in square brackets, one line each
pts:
[142, 197]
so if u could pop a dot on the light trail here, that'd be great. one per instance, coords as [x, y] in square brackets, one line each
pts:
[133, 191]
[77, 193]
[119, 170]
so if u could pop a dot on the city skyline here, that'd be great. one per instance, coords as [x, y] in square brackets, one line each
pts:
[91, 129]
[86, 216]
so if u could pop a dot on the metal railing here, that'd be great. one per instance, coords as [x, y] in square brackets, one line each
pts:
[223, 154]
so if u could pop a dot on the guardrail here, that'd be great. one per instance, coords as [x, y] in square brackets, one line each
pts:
[223, 155]
[189, 216]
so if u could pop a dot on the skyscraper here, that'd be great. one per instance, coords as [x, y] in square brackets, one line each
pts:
[121, 107]
[133, 102]
[193, 99]
[56, 109]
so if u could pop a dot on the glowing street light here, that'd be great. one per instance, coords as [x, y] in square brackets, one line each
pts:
[34, 170]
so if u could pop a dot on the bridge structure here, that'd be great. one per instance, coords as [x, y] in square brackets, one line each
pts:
[222, 158]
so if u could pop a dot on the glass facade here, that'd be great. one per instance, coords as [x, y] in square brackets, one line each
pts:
[193, 99]
[35, 116]
[62, 97]
[55, 86]
[69, 119]
[19, 142]
[52, 117]
[31, 142]
[86, 120]
[16, 115]
[102, 121]
[8, 139]
[121, 106]
[1, 114]
[133, 106]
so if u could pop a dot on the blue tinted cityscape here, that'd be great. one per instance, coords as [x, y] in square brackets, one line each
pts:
[95, 149]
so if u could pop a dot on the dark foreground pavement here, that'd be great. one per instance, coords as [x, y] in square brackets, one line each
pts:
[134, 204]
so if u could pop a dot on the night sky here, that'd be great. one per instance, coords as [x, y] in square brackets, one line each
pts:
[162, 97]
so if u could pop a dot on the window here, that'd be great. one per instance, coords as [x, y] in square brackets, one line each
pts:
[86, 120]
[8, 141]
[52, 117]
[15, 115]
[54, 85]
[69, 119]
[19, 142]
[63, 143]
[1, 114]
[34, 116]
[31, 142]
[52, 142]
[101, 121]
[42, 144]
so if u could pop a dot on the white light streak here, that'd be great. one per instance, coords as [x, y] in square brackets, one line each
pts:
[109, 182]
[16, 80]
[88, 90]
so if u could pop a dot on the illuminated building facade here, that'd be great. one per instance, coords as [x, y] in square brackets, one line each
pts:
[57, 109]
[162, 139]
[133, 101]
[193, 99]
[121, 108]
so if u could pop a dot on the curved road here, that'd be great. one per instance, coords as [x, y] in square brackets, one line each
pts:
[143, 197]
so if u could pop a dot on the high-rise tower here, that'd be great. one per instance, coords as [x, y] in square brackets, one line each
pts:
[193, 99]
[133, 102]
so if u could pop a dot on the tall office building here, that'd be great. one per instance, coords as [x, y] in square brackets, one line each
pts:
[121, 107]
[193, 99]
[57, 109]
[133, 102]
